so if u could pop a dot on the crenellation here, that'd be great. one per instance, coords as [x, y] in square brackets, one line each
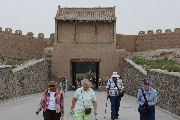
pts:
[18, 32]
[41, 36]
[158, 40]
[30, 34]
[141, 33]
[22, 44]
[150, 32]
[168, 31]
[59, 6]
[52, 36]
[8, 30]
[158, 31]
[52, 39]
[177, 30]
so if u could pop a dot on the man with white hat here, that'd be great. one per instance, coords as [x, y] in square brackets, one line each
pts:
[114, 90]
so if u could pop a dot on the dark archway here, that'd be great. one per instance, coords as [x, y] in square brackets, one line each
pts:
[88, 69]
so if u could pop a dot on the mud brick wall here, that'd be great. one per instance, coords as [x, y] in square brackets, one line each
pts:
[158, 40]
[18, 46]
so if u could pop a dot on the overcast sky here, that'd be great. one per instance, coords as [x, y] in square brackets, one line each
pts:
[132, 15]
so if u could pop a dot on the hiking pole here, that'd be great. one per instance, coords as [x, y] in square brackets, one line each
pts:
[71, 115]
[95, 117]
[105, 109]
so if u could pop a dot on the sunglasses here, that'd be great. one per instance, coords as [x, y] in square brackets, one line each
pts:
[51, 85]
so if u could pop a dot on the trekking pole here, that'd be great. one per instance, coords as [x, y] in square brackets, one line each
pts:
[95, 117]
[71, 116]
[105, 108]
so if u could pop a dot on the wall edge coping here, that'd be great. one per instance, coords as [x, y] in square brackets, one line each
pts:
[27, 64]
[138, 67]
[165, 72]
[5, 66]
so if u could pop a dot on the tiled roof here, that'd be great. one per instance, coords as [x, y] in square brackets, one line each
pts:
[86, 14]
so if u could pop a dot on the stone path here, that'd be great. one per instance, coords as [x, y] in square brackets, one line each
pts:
[24, 108]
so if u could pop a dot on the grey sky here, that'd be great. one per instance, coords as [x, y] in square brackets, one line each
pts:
[132, 15]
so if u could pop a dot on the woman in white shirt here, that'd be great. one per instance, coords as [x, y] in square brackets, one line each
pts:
[84, 102]
[52, 103]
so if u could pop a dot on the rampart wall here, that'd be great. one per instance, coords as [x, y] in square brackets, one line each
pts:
[127, 42]
[18, 46]
[149, 41]
[166, 84]
[158, 40]
[29, 78]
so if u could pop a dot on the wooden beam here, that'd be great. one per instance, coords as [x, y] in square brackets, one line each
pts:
[113, 32]
[58, 33]
[95, 40]
[75, 33]
[85, 60]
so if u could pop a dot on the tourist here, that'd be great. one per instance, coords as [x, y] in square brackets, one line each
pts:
[52, 103]
[146, 99]
[84, 102]
[63, 84]
[114, 90]
[79, 80]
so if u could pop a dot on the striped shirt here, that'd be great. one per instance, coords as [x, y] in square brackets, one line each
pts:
[113, 87]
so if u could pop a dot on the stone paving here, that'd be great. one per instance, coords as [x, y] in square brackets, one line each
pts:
[24, 108]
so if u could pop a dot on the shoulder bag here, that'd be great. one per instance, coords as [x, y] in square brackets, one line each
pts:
[144, 108]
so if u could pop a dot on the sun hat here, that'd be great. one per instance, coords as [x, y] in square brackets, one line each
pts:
[115, 74]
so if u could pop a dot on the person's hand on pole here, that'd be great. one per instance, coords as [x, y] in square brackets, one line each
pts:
[120, 92]
[107, 96]
[72, 109]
